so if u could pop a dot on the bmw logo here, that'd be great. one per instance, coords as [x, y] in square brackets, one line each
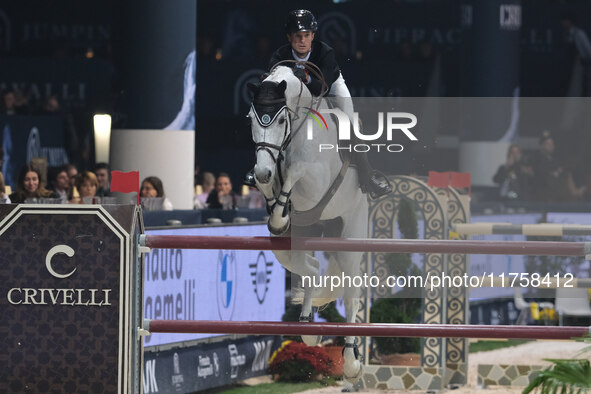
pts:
[226, 283]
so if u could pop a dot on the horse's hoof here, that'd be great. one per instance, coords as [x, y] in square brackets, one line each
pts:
[312, 340]
[275, 231]
[354, 378]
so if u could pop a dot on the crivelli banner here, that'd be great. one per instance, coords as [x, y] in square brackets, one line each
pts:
[184, 284]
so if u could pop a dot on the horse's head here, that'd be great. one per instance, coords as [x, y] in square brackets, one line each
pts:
[270, 127]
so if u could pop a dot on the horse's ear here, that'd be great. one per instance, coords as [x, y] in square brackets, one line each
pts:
[281, 87]
[253, 88]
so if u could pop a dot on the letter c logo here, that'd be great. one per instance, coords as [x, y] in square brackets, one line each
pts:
[65, 249]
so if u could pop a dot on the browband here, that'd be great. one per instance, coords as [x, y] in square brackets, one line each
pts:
[266, 120]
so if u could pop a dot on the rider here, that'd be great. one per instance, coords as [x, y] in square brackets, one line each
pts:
[300, 29]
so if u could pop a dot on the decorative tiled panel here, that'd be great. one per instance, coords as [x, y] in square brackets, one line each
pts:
[402, 378]
[456, 374]
[507, 375]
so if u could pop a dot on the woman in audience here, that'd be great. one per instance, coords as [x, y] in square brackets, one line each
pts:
[4, 199]
[223, 197]
[29, 186]
[207, 185]
[152, 187]
[86, 184]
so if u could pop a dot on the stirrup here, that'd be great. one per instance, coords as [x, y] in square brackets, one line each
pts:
[249, 179]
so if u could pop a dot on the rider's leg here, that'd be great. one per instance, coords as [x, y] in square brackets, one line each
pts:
[370, 180]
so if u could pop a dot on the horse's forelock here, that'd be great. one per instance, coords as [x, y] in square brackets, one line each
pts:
[268, 100]
[269, 91]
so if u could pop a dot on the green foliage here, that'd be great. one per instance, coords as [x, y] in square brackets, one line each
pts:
[332, 315]
[394, 310]
[485, 346]
[292, 312]
[565, 376]
[407, 220]
[406, 307]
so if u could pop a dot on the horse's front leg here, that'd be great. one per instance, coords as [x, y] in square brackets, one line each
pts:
[352, 368]
[310, 269]
[279, 219]
[267, 190]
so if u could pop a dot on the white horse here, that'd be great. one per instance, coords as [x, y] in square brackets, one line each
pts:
[295, 176]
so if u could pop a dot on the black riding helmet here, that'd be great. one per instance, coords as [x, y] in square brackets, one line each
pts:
[300, 20]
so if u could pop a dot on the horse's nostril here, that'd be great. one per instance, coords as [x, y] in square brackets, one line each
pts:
[263, 177]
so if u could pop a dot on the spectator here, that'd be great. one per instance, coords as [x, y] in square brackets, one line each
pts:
[514, 177]
[223, 197]
[86, 184]
[9, 103]
[4, 199]
[546, 168]
[152, 187]
[52, 107]
[207, 185]
[257, 199]
[102, 171]
[29, 187]
[59, 182]
[72, 173]
[551, 181]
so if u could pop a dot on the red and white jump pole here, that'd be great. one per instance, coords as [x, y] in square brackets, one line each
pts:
[528, 248]
[366, 329]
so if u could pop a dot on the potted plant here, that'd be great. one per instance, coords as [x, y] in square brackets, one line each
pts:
[298, 362]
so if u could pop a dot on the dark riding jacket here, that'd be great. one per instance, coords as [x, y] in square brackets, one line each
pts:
[321, 55]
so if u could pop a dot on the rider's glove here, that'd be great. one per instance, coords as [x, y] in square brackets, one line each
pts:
[301, 74]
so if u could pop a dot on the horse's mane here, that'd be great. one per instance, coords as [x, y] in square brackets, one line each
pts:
[294, 87]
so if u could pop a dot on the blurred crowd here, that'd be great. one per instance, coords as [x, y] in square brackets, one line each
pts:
[36, 183]
[542, 176]
[218, 193]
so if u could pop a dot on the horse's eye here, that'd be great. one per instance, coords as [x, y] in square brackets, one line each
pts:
[281, 120]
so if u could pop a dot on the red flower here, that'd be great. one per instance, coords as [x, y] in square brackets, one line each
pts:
[300, 362]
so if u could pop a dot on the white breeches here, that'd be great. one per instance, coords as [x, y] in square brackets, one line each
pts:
[340, 91]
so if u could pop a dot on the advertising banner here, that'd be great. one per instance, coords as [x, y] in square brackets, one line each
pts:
[183, 284]
[65, 302]
[184, 370]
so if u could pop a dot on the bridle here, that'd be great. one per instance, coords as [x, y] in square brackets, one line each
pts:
[313, 214]
[287, 137]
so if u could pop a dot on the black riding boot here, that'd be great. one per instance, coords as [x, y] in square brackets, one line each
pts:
[370, 180]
